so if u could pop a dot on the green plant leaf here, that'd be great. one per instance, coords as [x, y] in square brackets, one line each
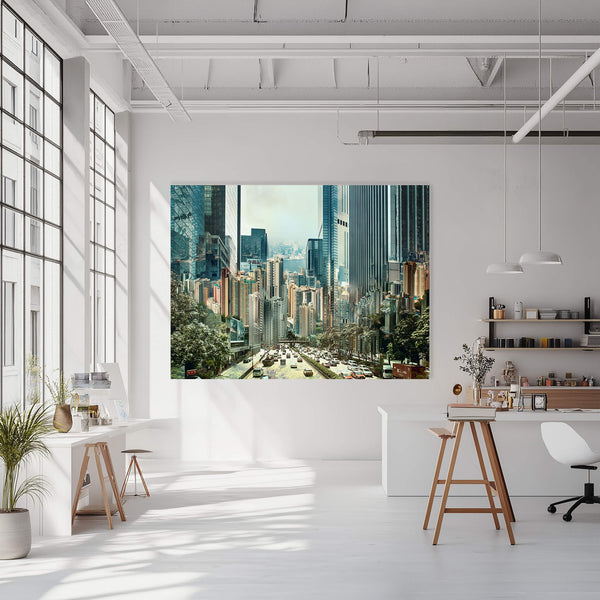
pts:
[22, 436]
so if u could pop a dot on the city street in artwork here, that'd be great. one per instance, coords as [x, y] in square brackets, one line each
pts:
[300, 282]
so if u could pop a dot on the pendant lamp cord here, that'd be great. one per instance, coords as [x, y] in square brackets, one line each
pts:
[504, 91]
[540, 121]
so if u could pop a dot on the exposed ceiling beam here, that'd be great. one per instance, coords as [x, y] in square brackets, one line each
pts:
[485, 68]
[333, 73]
[206, 75]
[276, 46]
[267, 74]
[575, 110]
[563, 91]
[255, 18]
[113, 20]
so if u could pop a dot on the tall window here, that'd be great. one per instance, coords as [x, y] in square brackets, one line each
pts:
[102, 230]
[31, 207]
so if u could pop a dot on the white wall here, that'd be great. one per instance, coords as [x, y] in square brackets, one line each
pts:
[258, 420]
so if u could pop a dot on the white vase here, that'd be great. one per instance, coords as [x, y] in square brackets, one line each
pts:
[15, 534]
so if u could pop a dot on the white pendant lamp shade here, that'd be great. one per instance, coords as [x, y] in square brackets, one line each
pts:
[505, 268]
[540, 257]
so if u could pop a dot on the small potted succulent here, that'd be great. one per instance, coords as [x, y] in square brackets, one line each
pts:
[22, 436]
[477, 365]
[61, 391]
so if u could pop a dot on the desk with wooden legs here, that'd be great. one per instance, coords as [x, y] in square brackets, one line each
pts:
[62, 471]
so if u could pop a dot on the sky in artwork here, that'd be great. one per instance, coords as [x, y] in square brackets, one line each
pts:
[289, 213]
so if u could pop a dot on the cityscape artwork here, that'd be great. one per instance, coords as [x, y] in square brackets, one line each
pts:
[300, 281]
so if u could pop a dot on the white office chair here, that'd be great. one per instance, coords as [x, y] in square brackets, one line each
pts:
[566, 446]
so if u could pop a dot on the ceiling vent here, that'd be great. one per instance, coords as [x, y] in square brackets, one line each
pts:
[113, 20]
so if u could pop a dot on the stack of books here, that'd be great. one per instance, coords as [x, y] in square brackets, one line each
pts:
[470, 412]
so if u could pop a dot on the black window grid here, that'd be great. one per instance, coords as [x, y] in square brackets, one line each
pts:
[97, 272]
[23, 252]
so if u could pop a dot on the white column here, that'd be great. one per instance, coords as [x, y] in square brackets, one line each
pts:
[122, 126]
[76, 308]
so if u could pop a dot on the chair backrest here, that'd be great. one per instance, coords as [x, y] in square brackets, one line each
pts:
[566, 446]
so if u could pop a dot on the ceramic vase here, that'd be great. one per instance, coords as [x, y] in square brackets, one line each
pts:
[63, 421]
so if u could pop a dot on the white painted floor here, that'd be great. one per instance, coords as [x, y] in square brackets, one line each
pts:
[303, 531]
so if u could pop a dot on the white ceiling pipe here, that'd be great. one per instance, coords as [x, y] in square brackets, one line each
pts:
[563, 91]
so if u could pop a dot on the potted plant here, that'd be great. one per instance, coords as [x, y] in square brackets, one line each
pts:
[477, 365]
[22, 435]
[61, 391]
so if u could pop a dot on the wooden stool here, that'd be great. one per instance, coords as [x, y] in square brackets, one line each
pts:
[444, 435]
[136, 469]
[101, 451]
[496, 487]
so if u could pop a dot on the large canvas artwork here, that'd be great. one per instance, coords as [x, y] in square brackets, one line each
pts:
[300, 281]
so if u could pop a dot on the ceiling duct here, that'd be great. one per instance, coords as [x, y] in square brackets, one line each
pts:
[113, 20]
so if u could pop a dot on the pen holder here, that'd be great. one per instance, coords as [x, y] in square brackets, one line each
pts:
[499, 313]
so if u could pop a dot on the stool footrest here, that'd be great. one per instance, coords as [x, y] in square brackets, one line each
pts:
[472, 510]
[467, 482]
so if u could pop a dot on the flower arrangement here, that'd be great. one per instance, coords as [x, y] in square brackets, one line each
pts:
[60, 389]
[475, 363]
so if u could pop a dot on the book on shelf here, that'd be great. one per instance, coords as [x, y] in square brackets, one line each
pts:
[470, 412]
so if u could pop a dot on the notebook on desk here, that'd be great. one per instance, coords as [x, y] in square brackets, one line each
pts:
[470, 412]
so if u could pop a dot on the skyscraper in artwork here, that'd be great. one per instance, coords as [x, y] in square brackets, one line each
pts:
[409, 222]
[368, 239]
[328, 208]
[204, 230]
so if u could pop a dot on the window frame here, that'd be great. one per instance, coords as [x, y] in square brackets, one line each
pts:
[26, 203]
[100, 249]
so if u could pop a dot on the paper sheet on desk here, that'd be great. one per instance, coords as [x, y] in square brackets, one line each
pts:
[118, 396]
[570, 410]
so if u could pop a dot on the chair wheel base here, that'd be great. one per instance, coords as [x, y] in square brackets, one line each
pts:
[552, 509]
[566, 517]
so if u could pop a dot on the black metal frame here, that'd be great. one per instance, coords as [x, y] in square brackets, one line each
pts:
[588, 495]
[534, 396]
[24, 211]
[95, 245]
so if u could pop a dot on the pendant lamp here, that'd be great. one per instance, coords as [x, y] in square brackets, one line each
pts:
[504, 268]
[540, 257]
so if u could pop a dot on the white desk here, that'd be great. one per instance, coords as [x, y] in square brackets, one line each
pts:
[409, 452]
[61, 471]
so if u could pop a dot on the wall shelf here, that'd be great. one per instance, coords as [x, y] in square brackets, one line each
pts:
[529, 321]
[561, 396]
[492, 323]
[578, 348]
